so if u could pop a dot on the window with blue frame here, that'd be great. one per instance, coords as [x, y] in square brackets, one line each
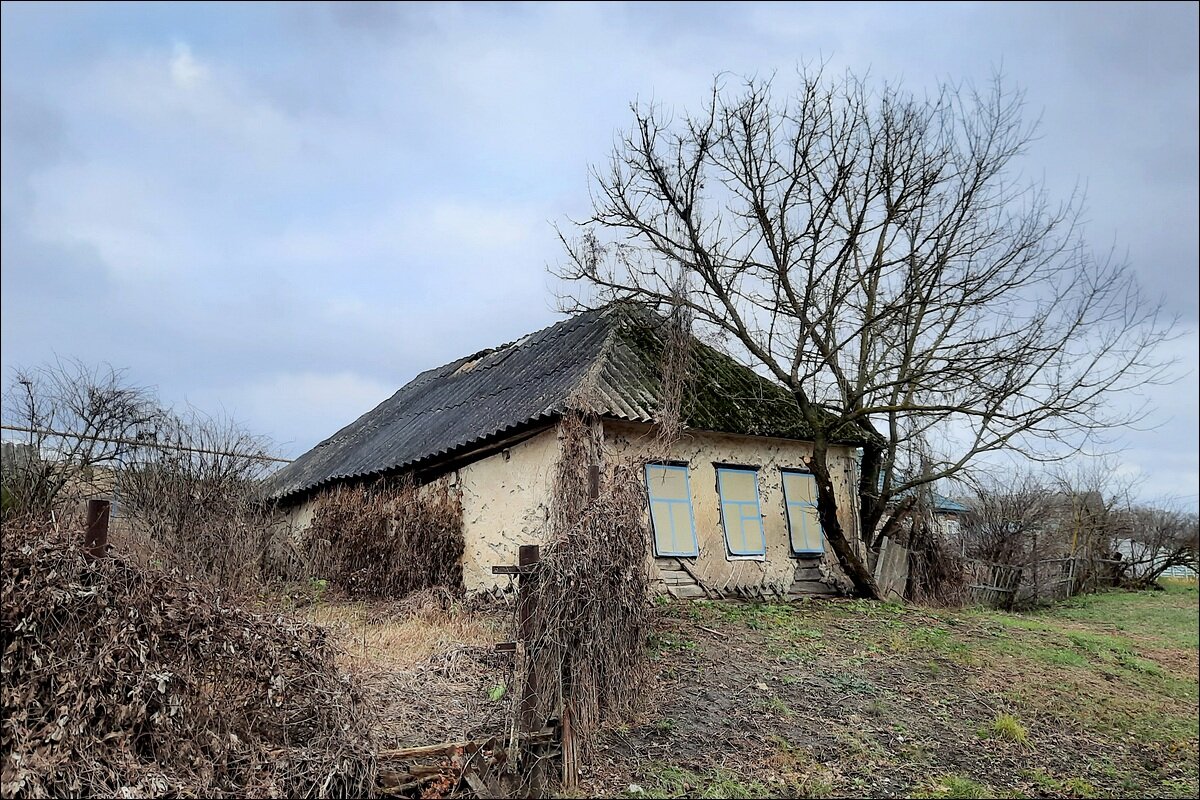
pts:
[804, 524]
[671, 518]
[741, 513]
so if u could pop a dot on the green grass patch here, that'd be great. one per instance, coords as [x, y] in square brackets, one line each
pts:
[669, 781]
[1009, 728]
[1169, 617]
[954, 786]
[1065, 787]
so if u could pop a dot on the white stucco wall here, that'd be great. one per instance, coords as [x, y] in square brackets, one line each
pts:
[506, 502]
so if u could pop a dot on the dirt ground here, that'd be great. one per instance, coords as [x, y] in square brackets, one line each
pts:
[1095, 698]
[853, 699]
[426, 664]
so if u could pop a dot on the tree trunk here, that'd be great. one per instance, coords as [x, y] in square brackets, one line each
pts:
[852, 565]
[869, 502]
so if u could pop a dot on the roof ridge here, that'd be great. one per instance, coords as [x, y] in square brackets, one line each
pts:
[585, 396]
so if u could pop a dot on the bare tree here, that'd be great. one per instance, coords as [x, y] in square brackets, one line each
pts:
[188, 486]
[197, 496]
[1006, 519]
[67, 421]
[876, 254]
[1160, 539]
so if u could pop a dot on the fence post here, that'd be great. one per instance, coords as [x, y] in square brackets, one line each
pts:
[529, 555]
[95, 537]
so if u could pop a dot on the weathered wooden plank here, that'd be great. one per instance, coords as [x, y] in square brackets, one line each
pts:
[809, 587]
[466, 746]
[511, 569]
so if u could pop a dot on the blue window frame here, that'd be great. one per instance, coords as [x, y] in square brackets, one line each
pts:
[671, 518]
[741, 513]
[804, 524]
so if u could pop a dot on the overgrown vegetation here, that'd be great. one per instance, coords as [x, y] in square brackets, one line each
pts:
[187, 488]
[388, 539]
[121, 680]
[590, 620]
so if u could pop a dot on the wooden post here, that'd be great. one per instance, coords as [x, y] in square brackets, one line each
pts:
[593, 481]
[95, 537]
[529, 556]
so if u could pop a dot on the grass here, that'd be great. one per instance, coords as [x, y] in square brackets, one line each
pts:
[372, 637]
[954, 786]
[669, 781]
[1111, 679]
[1006, 726]
[1068, 787]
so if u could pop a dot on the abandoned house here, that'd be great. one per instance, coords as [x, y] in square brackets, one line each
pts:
[731, 506]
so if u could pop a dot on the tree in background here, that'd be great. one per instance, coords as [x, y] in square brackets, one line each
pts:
[67, 421]
[1161, 540]
[877, 254]
[189, 487]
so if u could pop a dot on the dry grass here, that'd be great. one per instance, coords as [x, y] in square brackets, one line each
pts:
[401, 636]
[425, 664]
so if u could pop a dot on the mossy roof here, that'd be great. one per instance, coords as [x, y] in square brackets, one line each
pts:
[605, 361]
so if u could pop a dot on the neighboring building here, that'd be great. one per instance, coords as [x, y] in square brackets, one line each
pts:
[731, 506]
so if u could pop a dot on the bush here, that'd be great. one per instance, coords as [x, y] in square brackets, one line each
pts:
[124, 681]
[387, 541]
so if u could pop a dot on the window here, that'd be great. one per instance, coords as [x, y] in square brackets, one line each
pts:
[740, 512]
[671, 517]
[800, 496]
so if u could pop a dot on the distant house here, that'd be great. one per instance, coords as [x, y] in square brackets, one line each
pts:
[731, 507]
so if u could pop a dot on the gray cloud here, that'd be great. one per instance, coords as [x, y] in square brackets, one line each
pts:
[290, 210]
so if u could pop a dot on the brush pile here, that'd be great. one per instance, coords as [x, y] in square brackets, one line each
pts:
[120, 681]
[385, 541]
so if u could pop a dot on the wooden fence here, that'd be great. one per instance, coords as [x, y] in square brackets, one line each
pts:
[1011, 586]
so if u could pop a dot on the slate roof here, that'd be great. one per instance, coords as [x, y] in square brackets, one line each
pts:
[606, 361]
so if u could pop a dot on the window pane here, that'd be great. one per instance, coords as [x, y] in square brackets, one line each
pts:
[660, 514]
[738, 485]
[667, 482]
[741, 515]
[800, 487]
[681, 517]
[800, 495]
[812, 528]
[753, 531]
[671, 511]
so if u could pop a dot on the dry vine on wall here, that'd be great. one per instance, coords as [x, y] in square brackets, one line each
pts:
[586, 648]
[387, 540]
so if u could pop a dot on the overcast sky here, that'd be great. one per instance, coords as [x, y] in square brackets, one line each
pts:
[286, 212]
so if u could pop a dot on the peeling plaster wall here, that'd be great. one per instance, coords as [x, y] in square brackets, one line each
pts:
[700, 450]
[505, 502]
[506, 499]
[299, 517]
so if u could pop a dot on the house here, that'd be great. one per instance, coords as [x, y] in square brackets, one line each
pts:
[731, 506]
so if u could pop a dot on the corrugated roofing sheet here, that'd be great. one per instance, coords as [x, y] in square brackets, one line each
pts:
[609, 357]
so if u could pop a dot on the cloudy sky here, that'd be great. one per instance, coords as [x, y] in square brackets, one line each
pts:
[285, 212]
